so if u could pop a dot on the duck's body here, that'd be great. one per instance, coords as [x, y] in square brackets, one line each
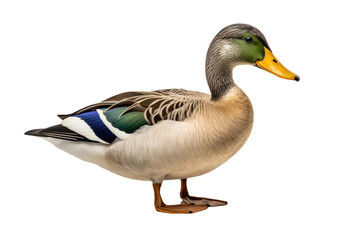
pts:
[214, 132]
[173, 133]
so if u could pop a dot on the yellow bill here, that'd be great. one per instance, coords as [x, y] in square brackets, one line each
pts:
[272, 65]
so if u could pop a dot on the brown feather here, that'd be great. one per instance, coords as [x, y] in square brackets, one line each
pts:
[172, 104]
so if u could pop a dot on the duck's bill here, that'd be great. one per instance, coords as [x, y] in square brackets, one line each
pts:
[272, 65]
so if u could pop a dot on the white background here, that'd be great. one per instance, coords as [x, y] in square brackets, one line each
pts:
[297, 177]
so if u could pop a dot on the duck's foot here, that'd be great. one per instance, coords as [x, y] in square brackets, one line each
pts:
[187, 199]
[181, 208]
[199, 200]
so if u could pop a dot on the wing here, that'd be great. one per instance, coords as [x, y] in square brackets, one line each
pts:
[121, 115]
[167, 104]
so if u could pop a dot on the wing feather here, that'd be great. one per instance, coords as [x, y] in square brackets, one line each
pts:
[123, 114]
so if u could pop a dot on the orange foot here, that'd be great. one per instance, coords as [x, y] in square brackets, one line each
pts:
[181, 208]
[202, 201]
[187, 199]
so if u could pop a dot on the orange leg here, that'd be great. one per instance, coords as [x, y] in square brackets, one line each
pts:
[181, 208]
[187, 199]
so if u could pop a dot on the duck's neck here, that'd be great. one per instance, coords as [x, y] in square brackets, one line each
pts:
[218, 72]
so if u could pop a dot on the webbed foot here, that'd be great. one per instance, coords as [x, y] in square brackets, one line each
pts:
[187, 199]
[180, 208]
[199, 200]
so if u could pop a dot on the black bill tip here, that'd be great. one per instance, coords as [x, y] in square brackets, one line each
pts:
[297, 78]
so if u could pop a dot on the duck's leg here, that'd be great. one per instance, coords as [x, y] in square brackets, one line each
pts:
[187, 199]
[181, 208]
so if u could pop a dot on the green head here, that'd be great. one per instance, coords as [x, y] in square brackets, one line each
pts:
[250, 48]
[244, 44]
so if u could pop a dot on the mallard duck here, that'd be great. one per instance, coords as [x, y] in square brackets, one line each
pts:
[172, 133]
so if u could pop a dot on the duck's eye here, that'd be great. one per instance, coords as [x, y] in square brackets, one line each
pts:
[249, 40]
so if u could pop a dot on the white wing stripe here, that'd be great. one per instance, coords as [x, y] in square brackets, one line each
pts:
[78, 125]
[120, 134]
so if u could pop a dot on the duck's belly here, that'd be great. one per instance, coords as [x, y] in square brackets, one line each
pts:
[169, 150]
[186, 168]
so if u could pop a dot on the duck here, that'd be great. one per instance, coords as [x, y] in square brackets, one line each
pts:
[172, 133]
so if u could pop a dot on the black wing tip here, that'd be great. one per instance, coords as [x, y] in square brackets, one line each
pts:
[63, 116]
[34, 132]
[59, 132]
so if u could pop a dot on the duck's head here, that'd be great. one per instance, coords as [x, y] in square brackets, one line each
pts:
[243, 44]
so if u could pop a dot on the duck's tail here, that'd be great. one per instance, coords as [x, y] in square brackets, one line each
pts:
[59, 132]
[34, 132]
[73, 143]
